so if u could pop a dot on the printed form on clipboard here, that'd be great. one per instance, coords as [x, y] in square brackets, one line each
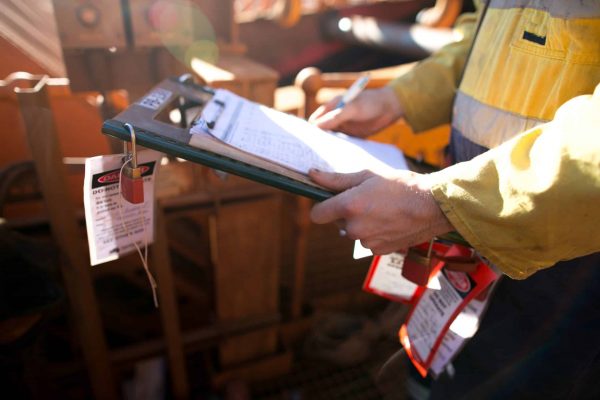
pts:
[290, 141]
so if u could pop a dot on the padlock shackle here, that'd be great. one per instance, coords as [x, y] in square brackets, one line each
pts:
[131, 131]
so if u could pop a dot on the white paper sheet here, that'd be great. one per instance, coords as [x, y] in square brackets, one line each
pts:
[291, 141]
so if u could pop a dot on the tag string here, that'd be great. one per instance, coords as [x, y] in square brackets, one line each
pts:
[143, 257]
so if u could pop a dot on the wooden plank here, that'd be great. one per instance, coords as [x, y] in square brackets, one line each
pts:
[259, 370]
[195, 340]
[168, 309]
[42, 140]
[241, 75]
[245, 348]
[246, 253]
[303, 206]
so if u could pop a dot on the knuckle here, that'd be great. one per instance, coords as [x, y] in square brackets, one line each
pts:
[337, 177]
[316, 214]
[350, 207]
[383, 250]
[378, 252]
[377, 246]
[352, 234]
[366, 173]
[367, 244]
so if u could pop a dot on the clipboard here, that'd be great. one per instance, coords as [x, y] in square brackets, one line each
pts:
[154, 129]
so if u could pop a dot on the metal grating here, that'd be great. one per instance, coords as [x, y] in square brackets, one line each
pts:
[318, 382]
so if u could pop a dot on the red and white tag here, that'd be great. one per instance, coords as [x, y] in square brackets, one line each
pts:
[106, 213]
[387, 276]
[436, 309]
[464, 327]
[385, 279]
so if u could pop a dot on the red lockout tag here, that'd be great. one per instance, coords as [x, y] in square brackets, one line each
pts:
[437, 306]
[385, 279]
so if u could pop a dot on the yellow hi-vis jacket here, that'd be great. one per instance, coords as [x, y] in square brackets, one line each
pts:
[534, 198]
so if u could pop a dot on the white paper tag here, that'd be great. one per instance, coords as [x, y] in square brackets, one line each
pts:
[385, 278]
[107, 238]
[435, 309]
[445, 314]
[462, 328]
[360, 251]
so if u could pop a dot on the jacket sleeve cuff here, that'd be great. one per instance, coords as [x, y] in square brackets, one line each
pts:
[446, 195]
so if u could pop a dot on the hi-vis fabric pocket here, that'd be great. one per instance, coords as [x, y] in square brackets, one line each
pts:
[575, 41]
[529, 58]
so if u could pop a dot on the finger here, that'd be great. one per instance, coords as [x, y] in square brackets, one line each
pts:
[379, 247]
[341, 225]
[382, 250]
[325, 108]
[339, 182]
[333, 103]
[318, 113]
[333, 119]
[328, 211]
[366, 244]
[353, 231]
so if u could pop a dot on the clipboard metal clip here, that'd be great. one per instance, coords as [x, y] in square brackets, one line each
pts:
[211, 124]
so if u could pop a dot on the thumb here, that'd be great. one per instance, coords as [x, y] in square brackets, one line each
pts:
[339, 182]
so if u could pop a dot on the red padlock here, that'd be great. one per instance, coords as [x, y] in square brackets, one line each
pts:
[417, 264]
[132, 185]
[421, 260]
[132, 182]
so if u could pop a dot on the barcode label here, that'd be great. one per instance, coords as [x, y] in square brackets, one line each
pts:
[155, 99]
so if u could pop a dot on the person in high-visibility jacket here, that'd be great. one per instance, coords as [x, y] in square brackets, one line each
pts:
[524, 190]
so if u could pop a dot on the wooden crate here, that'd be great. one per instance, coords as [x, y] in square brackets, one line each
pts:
[240, 75]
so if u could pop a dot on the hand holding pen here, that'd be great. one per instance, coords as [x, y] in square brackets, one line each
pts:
[359, 112]
[353, 91]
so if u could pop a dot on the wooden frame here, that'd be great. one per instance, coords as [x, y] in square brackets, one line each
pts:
[34, 104]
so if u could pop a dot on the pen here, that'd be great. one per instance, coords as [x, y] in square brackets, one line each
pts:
[353, 91]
